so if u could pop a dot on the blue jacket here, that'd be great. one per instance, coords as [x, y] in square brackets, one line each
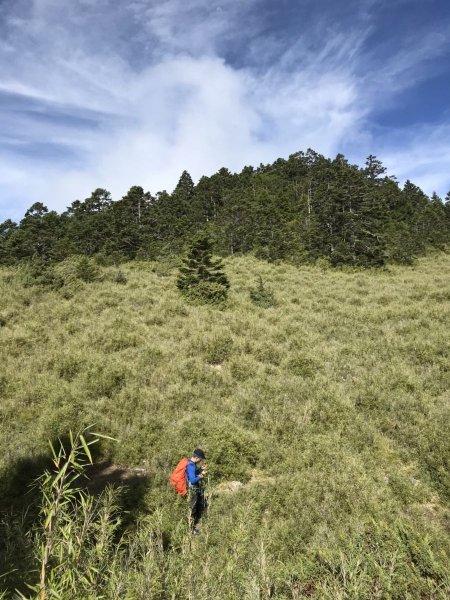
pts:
[193, 473]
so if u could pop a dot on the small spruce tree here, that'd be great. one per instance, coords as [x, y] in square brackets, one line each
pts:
[262, 296]
[201, 278]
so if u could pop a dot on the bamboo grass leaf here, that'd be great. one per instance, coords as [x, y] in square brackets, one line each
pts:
[86, 448]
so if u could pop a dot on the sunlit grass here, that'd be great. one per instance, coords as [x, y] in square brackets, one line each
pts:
[338, 396]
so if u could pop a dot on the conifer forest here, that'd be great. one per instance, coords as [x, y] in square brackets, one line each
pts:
[300, 209]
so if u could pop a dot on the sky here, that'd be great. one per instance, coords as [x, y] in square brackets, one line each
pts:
[115, 93]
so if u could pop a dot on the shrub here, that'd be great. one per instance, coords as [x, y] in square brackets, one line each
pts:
[206, 292]
[243, 368]
[75, 269]
[108, 259]
[86, 270]
[232, 452]
[38, 272]
[164, 266]
[120, 277]
[217, 349]
[322, 263]
[3, 384]
[262, 295]
[105, 380]
[267, 353]
[303, 366]
[68, 366]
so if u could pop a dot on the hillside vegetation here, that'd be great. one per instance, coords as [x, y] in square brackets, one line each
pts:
[330, 407]
[300, 209]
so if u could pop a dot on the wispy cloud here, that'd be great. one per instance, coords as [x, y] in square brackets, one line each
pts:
[100, 93]
[425, 152]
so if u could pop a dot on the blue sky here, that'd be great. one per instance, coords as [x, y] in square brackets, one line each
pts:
[108, 93]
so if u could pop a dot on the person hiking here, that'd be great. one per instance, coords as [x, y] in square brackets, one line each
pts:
[195, 474]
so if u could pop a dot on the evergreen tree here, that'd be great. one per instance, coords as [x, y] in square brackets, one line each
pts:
[435, 219]
[261, 295]
[414, 205]
[447, 214]
[174, 215]
[181, 205]
[90, 224]
[374, 167]
[6, 230]
[210, 195]
[36, 236]
[235, 222]
[130, 218]
[201, 277]
[184, 189]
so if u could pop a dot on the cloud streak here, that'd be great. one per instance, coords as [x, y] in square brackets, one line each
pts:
[119, 94]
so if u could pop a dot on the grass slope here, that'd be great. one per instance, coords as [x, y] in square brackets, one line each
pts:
[332, 408]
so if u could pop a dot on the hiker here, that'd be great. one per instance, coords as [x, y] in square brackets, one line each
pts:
[195, 475]
[187, 480]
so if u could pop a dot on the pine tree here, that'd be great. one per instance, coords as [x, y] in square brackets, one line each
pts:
[374, 167]
[36, 236]
[210, 194]
[447, 214]
[173, 215]
[6, 230]
[90, 224]
[202, 278]
[261, 295]
[129, 221]
[181, 205]
[435, 219]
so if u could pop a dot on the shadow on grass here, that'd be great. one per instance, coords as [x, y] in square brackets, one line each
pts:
[20, 507]
[132, 485]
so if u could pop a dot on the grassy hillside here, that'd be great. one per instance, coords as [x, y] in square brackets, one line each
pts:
[332, 408]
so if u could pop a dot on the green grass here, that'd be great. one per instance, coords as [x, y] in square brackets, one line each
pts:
[332, 407]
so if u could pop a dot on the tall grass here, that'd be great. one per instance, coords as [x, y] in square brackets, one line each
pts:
[331, 407]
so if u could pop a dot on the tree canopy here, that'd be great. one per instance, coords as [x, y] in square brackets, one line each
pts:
[300, 209]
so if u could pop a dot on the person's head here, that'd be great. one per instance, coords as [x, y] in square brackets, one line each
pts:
[198, 455]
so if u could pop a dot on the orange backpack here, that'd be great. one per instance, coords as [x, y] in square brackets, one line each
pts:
[178, 478]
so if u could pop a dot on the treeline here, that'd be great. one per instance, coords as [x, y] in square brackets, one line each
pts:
[300, 209]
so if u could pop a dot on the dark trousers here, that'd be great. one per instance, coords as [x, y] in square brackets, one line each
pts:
[198, 504]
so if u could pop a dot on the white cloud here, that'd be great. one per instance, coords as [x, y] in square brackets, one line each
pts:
[151, 95]
[426, 152]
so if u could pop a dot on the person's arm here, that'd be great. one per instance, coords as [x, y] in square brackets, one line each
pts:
[193, 478]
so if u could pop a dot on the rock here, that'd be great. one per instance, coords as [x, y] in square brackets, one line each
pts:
[229, 487]
[234, 486]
